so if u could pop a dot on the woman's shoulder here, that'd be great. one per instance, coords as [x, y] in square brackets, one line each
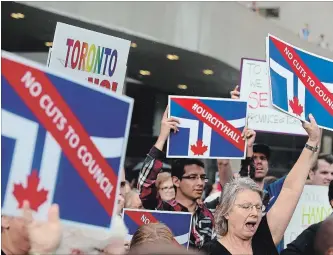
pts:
[214, 247]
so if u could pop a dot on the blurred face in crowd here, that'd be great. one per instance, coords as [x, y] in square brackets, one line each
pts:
[192, 183]
[14, 236]
[323, 175]
[133, 201]
[245, 215]
[166, 190]
[224, 168]
[261, 165]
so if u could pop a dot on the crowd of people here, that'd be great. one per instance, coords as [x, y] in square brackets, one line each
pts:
[245, 213]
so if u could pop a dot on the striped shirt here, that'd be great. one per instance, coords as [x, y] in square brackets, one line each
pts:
[202, 220]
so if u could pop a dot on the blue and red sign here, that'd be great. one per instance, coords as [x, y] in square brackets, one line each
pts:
[301, 82]
[62, 142]
[178, 222]
[209, 127]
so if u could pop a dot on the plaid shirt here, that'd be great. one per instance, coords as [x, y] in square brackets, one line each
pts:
[202, 220]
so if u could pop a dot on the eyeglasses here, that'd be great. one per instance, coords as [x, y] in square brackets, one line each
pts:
[167, 188]
[194, 177]
[248, 207]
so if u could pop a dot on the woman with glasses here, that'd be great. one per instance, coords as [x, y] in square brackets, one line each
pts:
[165, 186]
[240, 225]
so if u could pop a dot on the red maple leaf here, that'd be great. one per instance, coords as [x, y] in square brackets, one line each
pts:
[30, 193]
[199, 148]
[296, 106]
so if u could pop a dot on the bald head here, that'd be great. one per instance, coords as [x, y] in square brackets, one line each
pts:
[324, 237]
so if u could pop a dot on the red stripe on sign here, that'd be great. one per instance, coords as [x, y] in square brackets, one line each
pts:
[141, 218]
[311, 82]
[212, 119]
[38, 93]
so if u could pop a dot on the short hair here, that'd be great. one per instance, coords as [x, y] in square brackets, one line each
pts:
[178, 166]
[129, 196]
[323, 240]
[326, 157]
[152, 233]
[228, 197]
[330, 191]
[161, 178]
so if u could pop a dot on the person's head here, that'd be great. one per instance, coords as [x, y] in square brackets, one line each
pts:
[152, 233]
[261, 154]
[240, 210]
[14, 235]
[162, 249]
[165, 186]
[132, 200]
[224, 168]
[189, 178]
[322, 172]
[323, 241]
[330, 193]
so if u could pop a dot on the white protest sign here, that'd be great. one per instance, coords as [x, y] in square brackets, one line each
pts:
[255, 89]
[312, 208]
[83, 54]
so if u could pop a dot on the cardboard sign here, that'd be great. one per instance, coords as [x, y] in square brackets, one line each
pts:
[301, 82]
[312, 207]
[209, 127]
[178, 222]
[56, 147]
[255, 89]
[87, 55]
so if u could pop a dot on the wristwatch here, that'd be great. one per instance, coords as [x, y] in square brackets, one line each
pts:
[311, 148]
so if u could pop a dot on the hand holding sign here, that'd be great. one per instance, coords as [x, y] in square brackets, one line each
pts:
[44, 236]
[313, 130]
[235, 93]
[250, 135]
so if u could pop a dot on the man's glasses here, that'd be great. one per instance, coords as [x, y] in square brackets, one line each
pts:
[248, 207]
[194, 177]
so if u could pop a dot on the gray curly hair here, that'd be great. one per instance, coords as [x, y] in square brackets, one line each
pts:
[228, 197]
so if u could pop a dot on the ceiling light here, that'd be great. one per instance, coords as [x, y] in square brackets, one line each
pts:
[48, 44]
[182, 86]
[172, 57]
[144, 72]
[134, 45]
[17, 15]
[208, 72]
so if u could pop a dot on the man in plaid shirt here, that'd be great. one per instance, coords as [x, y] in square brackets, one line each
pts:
[188, 177]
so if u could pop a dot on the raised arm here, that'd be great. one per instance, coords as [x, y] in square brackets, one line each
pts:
[280, 214]
[153, 164]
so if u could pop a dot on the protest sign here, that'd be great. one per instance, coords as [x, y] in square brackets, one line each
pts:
[178, 222]
[209, 127]
[56, 147]
[301, 82]
[94, 57]
[255, 89]
[312, 207]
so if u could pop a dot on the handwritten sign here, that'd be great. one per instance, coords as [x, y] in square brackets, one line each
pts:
[94, 57]
[255, 89]
[56, 148]
[312, 208]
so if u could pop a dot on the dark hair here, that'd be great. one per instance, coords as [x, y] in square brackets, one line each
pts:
[262, 148]
[326, 157]
[178, 165]
[330, 191]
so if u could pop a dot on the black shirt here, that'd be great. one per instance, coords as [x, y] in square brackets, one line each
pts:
[304, 243]
[262, 243]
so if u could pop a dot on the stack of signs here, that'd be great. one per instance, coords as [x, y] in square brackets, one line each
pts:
[301, 82]
[255, 89]
[209, 127]
[87, 55]
[178, 222]
[56, 147]
[312, 207]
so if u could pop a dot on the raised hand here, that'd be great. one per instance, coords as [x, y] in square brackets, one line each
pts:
[314, 132]
[166, 125]
[235, 93]
[250, 136]
[44, 236]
